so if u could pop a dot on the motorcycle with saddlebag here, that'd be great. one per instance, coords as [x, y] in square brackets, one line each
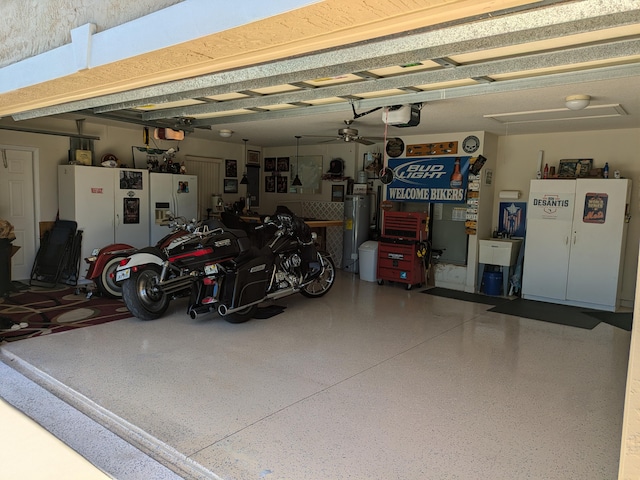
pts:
[225, 272]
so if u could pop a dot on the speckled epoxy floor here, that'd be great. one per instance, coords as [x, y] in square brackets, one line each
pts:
[368, 382]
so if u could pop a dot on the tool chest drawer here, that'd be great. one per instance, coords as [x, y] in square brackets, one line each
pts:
[399, 262]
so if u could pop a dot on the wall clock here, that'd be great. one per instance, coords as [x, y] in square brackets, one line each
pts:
[395, 147]
[471, 144]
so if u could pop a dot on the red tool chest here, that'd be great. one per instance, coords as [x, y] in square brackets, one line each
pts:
[398, 260]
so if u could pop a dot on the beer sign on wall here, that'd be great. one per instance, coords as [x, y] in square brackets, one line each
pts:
[440, 180]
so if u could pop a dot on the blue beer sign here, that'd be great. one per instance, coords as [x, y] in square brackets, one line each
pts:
[438, 180]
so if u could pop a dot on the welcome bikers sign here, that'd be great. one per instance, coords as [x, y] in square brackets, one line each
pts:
[439, 180]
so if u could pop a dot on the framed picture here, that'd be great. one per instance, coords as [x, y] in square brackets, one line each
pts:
[283, 164]
[567, 168]
[337, 193]
[372, 164]
[270, 184]
[253, 157]
[230, 185]
[230, 168]
[282, 182]
[270, 164]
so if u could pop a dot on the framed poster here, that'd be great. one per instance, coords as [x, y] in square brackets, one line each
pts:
[230, 185]
[253, 157]
[283, 164]
[130, 180]
[282, 184]
[270, 184]
[513, 218]
[131, 210]
[270, 164]
[230, 168]
[595, 207]
[337, 193]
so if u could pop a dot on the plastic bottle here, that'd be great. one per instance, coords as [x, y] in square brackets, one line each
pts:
[605, 170]
[545, 173]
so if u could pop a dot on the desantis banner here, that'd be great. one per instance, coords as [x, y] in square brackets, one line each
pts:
[438, 180]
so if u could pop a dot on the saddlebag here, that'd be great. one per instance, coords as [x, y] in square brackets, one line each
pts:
[247, 284]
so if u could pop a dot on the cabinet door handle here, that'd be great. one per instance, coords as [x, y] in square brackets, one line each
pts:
[566, 240]
[574, 238]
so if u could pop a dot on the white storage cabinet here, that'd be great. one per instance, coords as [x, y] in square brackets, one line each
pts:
[110, 205]
[575, 241]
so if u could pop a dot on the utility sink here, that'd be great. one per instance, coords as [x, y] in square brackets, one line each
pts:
[499, 251]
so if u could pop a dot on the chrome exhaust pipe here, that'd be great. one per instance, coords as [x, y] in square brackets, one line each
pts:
[194, 312]
[176, 284]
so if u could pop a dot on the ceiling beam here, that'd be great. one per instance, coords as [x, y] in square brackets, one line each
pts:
[568, 56]
[622, 71]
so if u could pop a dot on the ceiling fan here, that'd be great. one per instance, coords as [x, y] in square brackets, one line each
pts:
[348, 134]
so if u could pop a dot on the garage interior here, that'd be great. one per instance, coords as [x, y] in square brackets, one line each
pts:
[345, 385]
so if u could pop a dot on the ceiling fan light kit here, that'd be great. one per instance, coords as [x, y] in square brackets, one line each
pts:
[225, 133]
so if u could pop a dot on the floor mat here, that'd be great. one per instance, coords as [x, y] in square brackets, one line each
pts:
[467, 297]
[34, 311]
[623, 320]
[269, 311]
[548, 312]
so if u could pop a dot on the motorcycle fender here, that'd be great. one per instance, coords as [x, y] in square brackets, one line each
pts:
[104, 255]
[141, 258]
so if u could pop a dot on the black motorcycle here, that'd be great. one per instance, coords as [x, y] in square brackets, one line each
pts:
[224, 270]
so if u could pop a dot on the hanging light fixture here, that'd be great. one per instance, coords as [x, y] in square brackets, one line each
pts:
[296, 181]
[245, 180]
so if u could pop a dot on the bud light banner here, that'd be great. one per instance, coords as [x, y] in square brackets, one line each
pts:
[438, 180]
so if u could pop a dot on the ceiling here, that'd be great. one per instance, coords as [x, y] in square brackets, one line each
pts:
[475, 67]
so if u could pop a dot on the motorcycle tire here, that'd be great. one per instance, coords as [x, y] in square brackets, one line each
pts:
[107, 285]
[241, 316]
[141, 296]
[321, 285]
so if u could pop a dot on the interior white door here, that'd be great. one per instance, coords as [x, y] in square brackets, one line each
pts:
[17, 206]
[597, 239]
[547, 243]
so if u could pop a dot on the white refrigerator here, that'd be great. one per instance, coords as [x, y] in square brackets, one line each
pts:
[171, 193]
[110, 205]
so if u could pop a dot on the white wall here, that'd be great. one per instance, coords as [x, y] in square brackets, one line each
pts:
[518, 159]
[117, 140]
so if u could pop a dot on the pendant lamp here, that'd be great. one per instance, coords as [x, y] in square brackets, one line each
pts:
[245, 180]
[296, 181]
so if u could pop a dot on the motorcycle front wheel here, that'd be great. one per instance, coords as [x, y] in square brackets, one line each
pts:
[324, 282]
[107, 285]
[142, 296]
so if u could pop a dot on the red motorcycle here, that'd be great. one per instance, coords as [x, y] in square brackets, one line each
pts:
[104, 261]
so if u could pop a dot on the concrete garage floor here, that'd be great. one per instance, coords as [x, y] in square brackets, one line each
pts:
[368, 382]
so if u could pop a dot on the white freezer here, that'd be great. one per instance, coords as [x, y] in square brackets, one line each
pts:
[171, 193]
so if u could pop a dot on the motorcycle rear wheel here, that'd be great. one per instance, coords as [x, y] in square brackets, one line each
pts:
[141, 295]
[107, 285]
[321, 285]
[241, 316]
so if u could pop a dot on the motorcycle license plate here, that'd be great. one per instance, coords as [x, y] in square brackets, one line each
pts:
[123, 274]
[211, 269]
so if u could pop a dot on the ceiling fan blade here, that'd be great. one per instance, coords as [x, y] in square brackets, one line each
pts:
[376, 139]
[363, 141]
[319, 136]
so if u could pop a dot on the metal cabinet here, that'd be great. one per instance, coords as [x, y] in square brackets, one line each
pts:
[575, 243]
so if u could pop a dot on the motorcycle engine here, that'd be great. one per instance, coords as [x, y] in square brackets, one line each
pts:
[289, 274]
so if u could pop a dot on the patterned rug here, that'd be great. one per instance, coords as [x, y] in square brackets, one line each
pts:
[33, 311]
